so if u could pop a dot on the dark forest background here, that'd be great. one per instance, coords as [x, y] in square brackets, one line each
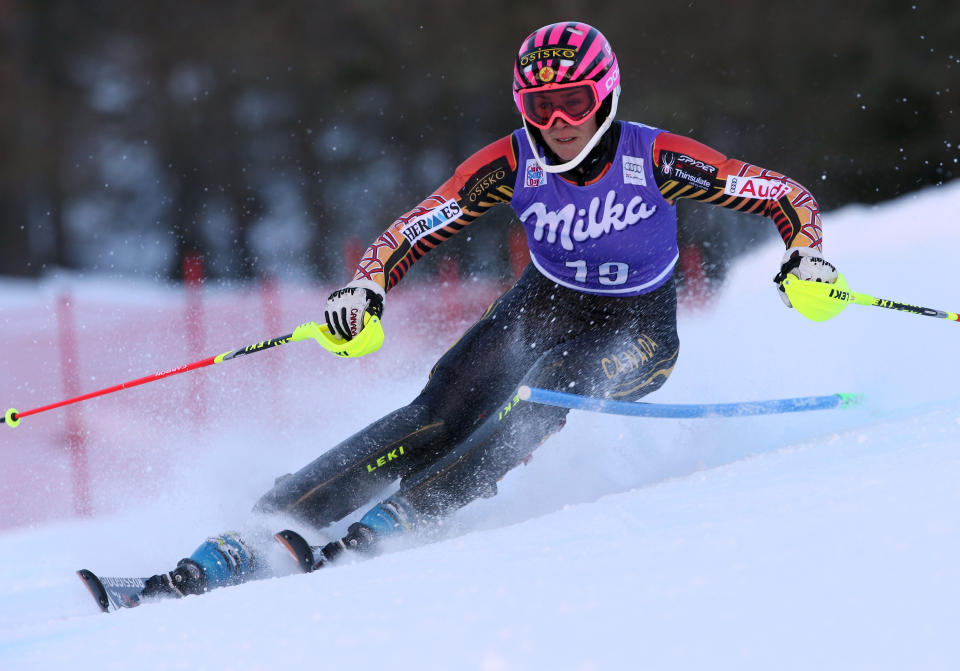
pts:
[270, 137]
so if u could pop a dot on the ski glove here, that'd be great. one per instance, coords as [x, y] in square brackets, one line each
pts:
[805, 263]
[345, 307]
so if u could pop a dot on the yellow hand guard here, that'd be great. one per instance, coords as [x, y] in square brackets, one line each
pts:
[367, 341]
[818, 301]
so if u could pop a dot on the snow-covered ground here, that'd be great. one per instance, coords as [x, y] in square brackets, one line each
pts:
[824, 540]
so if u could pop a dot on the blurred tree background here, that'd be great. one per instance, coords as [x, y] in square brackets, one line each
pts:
[269, 135]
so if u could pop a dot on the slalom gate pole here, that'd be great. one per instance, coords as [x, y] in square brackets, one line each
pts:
[688, 411]
[819, 301]
[369, 340]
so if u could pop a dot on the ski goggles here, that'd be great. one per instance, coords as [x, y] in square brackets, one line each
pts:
[574, 102]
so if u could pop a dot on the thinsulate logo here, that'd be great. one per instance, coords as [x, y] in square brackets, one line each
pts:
[601, 217]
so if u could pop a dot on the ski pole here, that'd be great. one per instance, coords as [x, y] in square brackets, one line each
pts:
[820, 301]
[689, 411]
[369, 340]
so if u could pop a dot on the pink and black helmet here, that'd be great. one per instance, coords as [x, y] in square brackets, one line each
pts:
[565, 56]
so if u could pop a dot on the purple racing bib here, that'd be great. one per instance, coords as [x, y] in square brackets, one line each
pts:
[617, 236]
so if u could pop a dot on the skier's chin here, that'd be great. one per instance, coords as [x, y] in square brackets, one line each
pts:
[567, 148]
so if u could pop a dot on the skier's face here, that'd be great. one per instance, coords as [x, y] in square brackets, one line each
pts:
[566, 140]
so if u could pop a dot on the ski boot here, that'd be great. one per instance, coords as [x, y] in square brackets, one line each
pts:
[392, 516]
[220, 561]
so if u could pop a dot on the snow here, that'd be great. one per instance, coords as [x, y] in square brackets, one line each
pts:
[824, 540]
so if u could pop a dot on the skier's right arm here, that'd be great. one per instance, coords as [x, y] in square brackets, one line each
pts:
[482, 181]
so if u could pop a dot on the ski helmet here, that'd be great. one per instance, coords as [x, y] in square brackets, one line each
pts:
[565, 70]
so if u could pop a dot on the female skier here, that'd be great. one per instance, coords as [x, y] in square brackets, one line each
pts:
[593, 313]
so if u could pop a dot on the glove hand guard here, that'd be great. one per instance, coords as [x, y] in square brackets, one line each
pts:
[345, 307]
[805, 263]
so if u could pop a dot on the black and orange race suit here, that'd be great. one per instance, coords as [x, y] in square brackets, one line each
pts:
[464, 431]
[487, 178]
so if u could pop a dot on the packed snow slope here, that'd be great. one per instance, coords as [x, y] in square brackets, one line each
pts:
[822, 540]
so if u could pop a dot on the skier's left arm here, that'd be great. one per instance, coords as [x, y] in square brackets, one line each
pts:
[685, 168]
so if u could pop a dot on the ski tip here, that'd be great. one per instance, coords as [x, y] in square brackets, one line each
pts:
[298, 547]
[851, 400]
[96, 589]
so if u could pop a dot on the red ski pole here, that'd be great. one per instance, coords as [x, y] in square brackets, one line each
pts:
[13, 417]
[368, 341]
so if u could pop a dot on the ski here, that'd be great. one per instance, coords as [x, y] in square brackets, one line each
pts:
[112, 594]
[299, 548]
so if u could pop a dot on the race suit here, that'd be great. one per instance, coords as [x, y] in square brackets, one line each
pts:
[594, 313]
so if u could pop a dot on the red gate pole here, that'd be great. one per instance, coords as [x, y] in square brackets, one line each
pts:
[270, 305]
[76, 439]
[448, 272]
[519, 251]
[352, 250]
[193, 283]
[694, 293]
